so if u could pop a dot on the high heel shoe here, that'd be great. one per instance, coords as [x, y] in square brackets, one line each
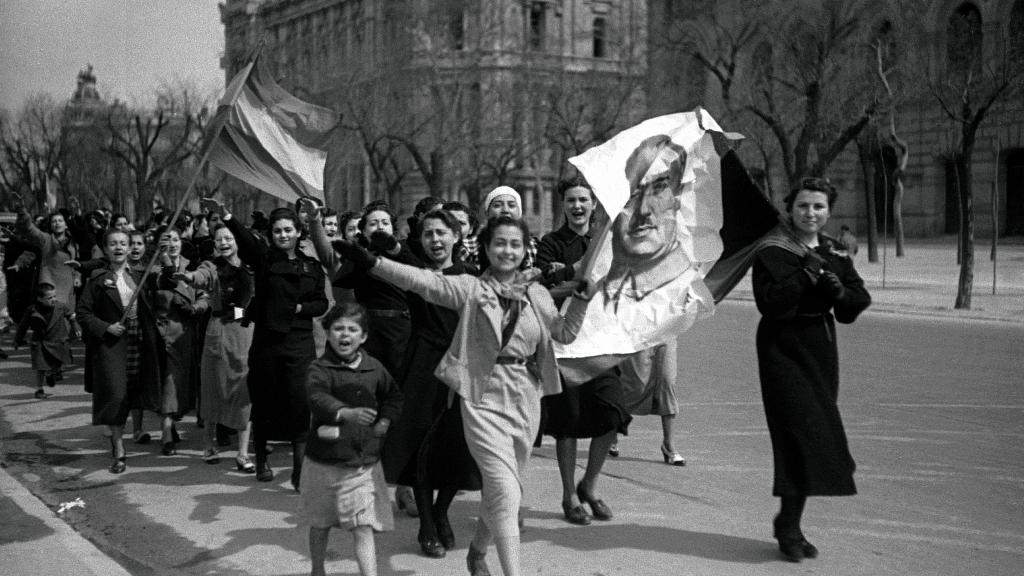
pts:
[600, 510]
[476, 562]
[244, 464]
[672, 458]
[613, 450]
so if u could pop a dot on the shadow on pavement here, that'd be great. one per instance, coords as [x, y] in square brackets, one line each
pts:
[19, 526]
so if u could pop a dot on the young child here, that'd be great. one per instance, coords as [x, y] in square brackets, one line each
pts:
[49, 321]
[353, 400]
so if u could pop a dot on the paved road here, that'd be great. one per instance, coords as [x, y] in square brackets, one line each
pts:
[934, 409]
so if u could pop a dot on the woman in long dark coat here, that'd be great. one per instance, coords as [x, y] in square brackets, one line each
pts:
[800, 278]
[426, 447]
[178, 308]
[126, 358]
[289, 294]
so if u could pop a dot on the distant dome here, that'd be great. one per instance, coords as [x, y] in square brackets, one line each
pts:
[86, 89]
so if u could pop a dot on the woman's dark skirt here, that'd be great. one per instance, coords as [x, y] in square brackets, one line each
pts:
[278, 363]
[589, 410]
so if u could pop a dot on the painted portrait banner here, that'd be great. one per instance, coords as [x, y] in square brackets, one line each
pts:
[661, 184]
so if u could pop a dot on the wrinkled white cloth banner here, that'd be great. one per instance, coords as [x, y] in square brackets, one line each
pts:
[623, 319]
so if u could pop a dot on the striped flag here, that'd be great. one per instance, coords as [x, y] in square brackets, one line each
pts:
[270, 139]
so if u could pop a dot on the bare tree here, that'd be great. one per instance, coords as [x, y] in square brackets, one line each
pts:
[152, 143]
[967, 93]
[809, 86]
[32, 148]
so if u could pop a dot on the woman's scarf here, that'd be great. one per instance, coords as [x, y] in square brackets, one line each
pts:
[514, 291]
[511, 297]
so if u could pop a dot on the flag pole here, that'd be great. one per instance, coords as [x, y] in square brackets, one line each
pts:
[185, 197]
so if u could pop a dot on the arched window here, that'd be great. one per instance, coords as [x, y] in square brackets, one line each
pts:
[600, 37]
[537, 32]
[1016, 31]
[456, 27]
[964, 40]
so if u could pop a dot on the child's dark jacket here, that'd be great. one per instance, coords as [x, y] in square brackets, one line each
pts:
[331, 386]
[49, 332]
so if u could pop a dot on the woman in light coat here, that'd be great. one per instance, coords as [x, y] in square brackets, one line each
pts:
[225, 358]
[500, 363]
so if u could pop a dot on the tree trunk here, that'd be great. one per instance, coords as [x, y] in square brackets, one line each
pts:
[897, 211]
[902, 152]
[966, 283]
[867, 167]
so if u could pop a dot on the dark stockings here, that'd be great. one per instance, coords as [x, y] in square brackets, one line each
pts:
[260, 444]
[298, 453]
[433, 512]
[787, 523]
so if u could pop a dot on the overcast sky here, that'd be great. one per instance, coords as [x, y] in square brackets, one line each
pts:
[133, 45]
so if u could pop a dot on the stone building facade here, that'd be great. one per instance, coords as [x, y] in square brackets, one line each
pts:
[452, 97]
[934, 43]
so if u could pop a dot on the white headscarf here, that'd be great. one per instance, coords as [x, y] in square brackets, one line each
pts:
[503, 191]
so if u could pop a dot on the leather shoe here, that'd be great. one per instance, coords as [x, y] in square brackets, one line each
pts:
[432, 547]
[168, 449]
[575, 514]
[118, 466]
[809, 550]
[265, 473]
[600, 510]
[791, 549]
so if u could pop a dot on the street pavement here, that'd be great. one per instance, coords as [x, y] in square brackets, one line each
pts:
[931, 397]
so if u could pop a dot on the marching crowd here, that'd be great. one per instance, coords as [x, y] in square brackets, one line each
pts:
[426, 362]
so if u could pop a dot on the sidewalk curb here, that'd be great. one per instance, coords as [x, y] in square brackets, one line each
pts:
[72, 543]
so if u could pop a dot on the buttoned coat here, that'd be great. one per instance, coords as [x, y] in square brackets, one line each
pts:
[798, 362]
[49, 342]
[99, 307]
[282, 344]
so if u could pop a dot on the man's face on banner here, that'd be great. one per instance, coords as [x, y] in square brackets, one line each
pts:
[646, 228]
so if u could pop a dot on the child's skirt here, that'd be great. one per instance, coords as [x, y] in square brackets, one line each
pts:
[345, 497]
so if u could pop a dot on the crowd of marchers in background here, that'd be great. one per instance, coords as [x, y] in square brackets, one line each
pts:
[423, 360]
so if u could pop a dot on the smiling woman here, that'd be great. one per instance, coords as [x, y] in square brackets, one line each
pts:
[125, 355]
[288, 294]
[797, 286]
[500, 362]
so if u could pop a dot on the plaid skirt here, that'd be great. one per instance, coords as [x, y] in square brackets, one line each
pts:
[133, 357]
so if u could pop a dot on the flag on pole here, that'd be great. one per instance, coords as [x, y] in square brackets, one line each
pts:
[269, 138]
[684, 221]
